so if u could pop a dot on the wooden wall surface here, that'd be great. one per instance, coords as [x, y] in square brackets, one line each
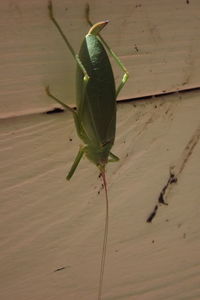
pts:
[158, 41]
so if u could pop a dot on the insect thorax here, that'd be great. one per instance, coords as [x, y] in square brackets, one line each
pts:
[98, 154]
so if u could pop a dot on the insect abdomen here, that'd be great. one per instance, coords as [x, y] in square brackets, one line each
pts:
[98, 112]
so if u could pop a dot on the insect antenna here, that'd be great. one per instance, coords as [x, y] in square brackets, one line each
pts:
[103, 258]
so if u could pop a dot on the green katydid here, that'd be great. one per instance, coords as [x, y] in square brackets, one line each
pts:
[95, 117]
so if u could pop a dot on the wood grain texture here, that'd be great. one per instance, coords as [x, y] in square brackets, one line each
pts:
[51, 230]
[157, 40]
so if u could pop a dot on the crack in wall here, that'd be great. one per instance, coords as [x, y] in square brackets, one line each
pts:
[175, 172]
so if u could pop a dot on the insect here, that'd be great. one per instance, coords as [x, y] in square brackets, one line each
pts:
[95, 116]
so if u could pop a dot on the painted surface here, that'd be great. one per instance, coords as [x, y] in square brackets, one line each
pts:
[157, 40]
[51, 230]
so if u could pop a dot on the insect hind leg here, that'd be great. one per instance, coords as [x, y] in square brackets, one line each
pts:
[111, 52]
[76, 57]
[87, 14]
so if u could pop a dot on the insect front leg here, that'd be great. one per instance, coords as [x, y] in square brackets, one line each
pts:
[76, 162]
[80, 132]
[113, 157]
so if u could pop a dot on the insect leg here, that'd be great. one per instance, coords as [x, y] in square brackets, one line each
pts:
[59, 101]
[111, 52]
[80, 132]
[76, 162]
[120, 64]
[113, 157]
[79, 127]
[87, 14]
[76, 57]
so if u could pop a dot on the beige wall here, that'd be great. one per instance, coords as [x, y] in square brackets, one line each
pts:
[158, 41]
